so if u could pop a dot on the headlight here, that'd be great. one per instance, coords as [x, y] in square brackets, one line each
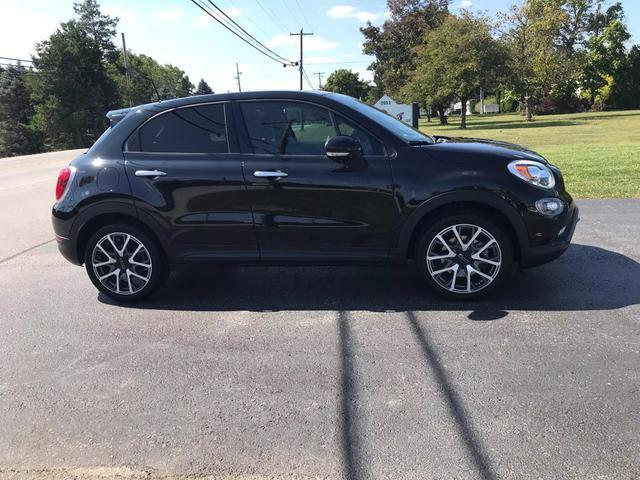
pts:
[534, 173]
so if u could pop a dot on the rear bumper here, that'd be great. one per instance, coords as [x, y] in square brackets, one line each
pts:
[540, 255]
[67, 249]
[62, 230]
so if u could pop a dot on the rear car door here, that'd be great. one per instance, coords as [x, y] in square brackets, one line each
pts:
[319, 209]
[185, 175]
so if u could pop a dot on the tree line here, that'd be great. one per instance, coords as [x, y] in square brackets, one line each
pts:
[541, 56]
[59, 99]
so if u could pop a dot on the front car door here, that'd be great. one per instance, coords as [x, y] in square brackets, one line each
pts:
[185, 175]
[318, 210]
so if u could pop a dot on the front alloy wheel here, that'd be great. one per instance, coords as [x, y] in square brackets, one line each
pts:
[464, 256]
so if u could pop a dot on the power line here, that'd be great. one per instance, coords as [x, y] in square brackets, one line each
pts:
[267, 9]
[60, 72]
[245, 32]
[53, 71]
[249, 19]
[251, 44]
[340, 63]
[306, 77]
[303, 15]
[17, 59]
[232, 30]
[292, 13]
[16, 73]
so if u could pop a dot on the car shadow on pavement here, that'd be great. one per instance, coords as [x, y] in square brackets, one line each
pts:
[584, 278]
[470, 439]
[354, 456]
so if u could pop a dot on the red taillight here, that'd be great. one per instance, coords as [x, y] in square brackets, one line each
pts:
[63, 180]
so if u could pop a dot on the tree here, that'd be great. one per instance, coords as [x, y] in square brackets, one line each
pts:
[606, 50]
[171, 81]
[72, 90]
[456, 60]
[625, 90]
[203, 88]
[346, 82]
[101, 28]
[16, 111]
[536, 62]
[393, 43]
[576, 24]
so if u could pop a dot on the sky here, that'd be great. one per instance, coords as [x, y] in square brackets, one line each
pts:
[177, 32]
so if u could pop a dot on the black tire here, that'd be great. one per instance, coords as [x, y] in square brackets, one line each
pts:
[504, 254]
[151, 254]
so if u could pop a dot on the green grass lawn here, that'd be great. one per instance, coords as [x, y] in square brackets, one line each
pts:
[599, 153]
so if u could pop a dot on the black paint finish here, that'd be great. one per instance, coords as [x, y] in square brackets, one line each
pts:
[212, 208]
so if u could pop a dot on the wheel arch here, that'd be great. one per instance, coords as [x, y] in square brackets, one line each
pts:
[98, 217]
[483, 203]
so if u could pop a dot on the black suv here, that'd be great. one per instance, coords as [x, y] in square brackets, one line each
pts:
[303, 178]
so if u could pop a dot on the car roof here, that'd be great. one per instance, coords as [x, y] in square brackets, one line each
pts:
[115, 116]
[220, 97]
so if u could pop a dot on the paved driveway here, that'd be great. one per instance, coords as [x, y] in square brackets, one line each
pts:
[317, 372]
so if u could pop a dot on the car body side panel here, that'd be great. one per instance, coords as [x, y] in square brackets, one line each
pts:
[201, 203]
[398, 195]
[324, 211]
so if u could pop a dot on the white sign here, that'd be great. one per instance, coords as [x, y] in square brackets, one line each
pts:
[400, 111]
[491, 108]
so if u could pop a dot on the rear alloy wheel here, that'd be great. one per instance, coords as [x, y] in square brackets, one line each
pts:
[464, 256]
[124, 263]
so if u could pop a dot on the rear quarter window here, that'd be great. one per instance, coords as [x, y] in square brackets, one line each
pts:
[197, 129]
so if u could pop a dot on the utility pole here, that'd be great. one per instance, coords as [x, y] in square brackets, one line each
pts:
[237, 77]
[320, 75]
[126, 68]
[302, 35]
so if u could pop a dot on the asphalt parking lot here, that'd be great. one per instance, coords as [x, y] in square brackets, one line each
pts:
[353, 373]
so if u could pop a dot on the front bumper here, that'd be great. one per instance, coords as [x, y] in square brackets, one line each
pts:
[542, 254]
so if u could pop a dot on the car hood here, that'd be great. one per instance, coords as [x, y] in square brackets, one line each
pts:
[481, 149]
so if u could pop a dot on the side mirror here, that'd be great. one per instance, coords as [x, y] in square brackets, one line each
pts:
[343, 147]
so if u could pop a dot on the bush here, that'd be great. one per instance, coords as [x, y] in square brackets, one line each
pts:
[509, 102]
[555, 105]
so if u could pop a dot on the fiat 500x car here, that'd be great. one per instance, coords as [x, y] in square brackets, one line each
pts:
[301, 178]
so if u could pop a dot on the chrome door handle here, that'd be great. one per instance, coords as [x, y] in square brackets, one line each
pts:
[269, 174]
[150, 173]
[338, 154]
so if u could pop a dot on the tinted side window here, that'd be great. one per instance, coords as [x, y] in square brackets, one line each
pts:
[198, 129]
[370, 146]
[287, 127]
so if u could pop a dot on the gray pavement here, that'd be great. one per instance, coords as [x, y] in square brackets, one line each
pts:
[351, 373]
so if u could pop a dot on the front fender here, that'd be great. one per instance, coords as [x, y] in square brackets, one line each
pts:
[488, 199]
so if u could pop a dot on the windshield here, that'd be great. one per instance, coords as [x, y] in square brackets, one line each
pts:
[398, 128]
